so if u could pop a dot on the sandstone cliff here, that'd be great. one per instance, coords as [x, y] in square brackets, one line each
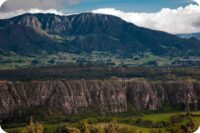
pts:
[106, 96]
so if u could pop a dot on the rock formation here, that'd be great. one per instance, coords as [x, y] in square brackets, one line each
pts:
[105, 96]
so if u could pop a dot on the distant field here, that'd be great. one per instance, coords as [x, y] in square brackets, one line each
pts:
[13, 61]
[19, 61]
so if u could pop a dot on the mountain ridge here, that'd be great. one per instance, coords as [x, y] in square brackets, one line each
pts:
[190, 36]
[89, 32]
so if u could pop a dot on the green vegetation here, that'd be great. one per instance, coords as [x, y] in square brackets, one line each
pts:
[92, 71]
[146, 123]
[14, 61]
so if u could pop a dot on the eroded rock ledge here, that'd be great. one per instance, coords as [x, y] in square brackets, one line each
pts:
[108, 96]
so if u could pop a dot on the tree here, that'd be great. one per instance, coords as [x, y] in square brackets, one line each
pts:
[34, 63]
[51, 61]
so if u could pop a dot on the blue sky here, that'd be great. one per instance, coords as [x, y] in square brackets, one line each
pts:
[126, 5]
[77, 6]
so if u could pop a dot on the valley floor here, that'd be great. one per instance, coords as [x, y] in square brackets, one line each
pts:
[13, 61]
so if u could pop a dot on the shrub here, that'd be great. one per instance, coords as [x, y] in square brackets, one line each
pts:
[33, 127]
[112, 127]
[66, 129]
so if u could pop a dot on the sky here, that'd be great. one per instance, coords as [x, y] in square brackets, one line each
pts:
[173, 16]
[75, 6]
[130, 5]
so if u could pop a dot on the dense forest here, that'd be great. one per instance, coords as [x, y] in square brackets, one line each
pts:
[99, 72]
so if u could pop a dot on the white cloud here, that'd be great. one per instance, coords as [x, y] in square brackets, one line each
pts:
[4, 15]
[180, 20]
[1, 2]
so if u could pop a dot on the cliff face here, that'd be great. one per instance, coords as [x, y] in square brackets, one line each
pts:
[78, 96]
[152, 95]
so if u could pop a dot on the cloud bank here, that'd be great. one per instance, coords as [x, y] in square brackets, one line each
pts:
[13, 5]
[11, 8]
[6, 15]
[1, 2]
[176, 21]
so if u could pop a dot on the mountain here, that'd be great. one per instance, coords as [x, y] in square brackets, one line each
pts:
[87, 32]
[188, 36]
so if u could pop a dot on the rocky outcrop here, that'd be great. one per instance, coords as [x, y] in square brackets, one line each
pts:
[105, 96]
[152, 95]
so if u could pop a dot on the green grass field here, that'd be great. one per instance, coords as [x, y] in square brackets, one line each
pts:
[101, 126]
[161, 116]
[122, 122]
[21, 61]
